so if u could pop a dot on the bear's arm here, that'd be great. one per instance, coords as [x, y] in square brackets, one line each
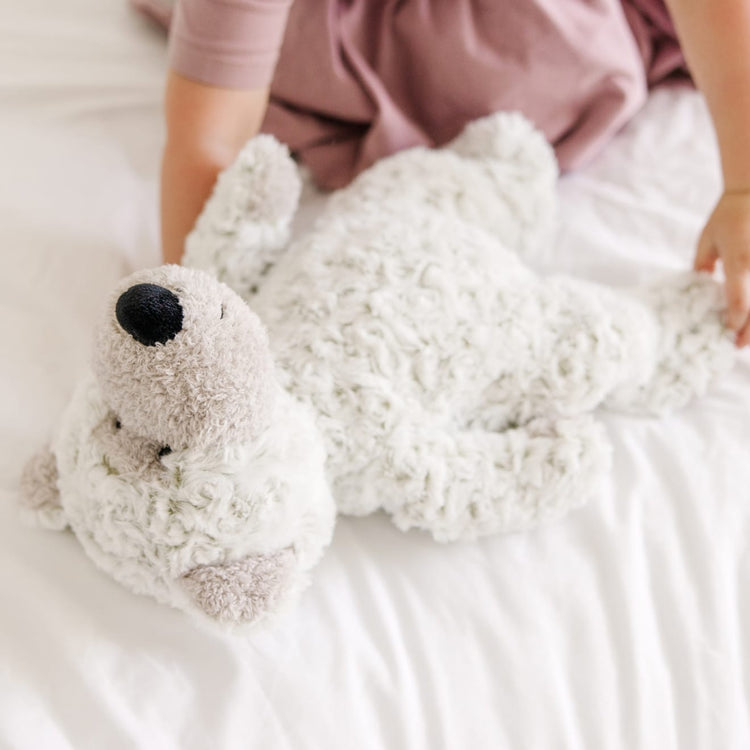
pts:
[245, 226]
[239, 592]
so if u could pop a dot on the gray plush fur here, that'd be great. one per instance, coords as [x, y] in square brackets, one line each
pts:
[39, 493]
[241, 590]
[201, 387]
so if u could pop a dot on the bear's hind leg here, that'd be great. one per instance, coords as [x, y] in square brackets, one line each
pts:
[470, 483]
[692, 347]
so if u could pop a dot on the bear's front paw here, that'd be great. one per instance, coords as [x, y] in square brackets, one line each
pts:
[240, 592]
[246, 223]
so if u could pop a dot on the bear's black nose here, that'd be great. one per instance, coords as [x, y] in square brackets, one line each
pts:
[151, 314]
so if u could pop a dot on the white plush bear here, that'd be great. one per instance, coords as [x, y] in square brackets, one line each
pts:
[183, 468]
[454, 387]
[415, 365]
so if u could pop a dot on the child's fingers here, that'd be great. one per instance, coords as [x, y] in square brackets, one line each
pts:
[706, 254]
[743, 337]
[737, 291]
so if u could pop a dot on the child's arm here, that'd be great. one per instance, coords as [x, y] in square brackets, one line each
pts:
[206, 127]
[715, 35]
[222, 57]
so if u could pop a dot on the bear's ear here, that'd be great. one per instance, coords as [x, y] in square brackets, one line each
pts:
[40, 496]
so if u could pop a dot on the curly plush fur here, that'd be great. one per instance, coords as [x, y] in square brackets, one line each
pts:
[454, 387]
[420, 367]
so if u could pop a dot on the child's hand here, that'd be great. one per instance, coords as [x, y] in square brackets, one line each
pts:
[726, 237]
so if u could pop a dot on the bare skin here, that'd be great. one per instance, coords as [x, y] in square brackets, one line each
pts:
[207, 126]
[715, 35]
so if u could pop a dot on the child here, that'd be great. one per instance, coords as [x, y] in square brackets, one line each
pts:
[345, 82]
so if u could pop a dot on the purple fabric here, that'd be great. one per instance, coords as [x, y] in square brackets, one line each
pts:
[232, 43]
[359, 79]
[657, 42]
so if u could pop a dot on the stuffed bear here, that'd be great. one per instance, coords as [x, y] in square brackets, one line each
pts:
[182, 466]
[454, 387]
[412, 363]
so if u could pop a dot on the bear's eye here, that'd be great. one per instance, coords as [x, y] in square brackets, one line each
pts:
[118, 424]
[164, 451]
[221, 317]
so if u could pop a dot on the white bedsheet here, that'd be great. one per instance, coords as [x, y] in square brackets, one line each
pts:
[625, 626]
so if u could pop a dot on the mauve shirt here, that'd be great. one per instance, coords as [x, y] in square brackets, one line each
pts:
[355, 80]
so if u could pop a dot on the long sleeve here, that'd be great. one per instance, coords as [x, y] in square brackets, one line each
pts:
[228, 43]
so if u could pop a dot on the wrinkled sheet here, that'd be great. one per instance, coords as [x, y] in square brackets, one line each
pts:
[624, 626]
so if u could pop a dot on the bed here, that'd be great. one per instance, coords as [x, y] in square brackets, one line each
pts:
[626, 625]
